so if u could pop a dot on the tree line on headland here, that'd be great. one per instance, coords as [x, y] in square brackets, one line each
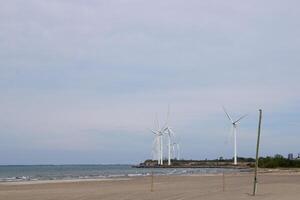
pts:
[277, 161]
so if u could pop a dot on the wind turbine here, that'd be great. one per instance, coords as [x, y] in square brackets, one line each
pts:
[158, 146]
[168, 131]
[159, 142]
[155, 147]
[159, 136]
[234, 129]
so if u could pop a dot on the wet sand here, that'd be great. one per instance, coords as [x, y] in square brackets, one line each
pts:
[273, 186]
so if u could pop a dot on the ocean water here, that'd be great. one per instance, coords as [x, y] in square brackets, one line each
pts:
[13, 173]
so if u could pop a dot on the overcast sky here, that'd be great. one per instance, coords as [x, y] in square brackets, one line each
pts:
[81, 81]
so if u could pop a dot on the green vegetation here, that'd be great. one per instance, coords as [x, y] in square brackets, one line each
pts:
[277, 161]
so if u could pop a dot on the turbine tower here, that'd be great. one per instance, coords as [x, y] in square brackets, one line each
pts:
[168, 131]
[161, 148]
[234, 129]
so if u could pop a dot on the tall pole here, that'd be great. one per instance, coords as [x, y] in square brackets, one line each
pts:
[152, 184]
[161, 150]
[159, 154]
[235, 149]
[223, 178]
[178, 152]
[169, 156]
[257, 149]
[158, 149]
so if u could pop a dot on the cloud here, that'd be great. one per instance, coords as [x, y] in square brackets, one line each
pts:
[68, 66]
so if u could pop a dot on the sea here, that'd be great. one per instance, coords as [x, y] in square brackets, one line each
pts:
[17, 173]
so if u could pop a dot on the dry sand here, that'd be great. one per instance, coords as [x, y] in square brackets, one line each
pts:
[273, 186]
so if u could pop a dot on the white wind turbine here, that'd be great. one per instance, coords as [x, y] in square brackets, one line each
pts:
[158, 146]
[234, 129]
[158, 142]
[170, 133]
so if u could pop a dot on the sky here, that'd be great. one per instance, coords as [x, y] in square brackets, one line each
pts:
[81, 82]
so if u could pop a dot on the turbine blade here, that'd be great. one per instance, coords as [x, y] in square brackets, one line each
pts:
[227, 114]
[171, 132]
[165, 129]
[240, 119]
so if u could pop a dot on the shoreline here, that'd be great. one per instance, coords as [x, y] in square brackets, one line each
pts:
[263, 171]
[33, 182]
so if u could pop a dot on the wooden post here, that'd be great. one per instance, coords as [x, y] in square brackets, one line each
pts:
[152, 184]
[257, 149]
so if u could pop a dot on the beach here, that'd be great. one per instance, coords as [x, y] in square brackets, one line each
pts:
[275, 185]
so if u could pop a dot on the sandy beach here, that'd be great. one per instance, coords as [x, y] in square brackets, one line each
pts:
[237, 186]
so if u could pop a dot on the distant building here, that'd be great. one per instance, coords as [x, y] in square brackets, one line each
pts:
[290, 156]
